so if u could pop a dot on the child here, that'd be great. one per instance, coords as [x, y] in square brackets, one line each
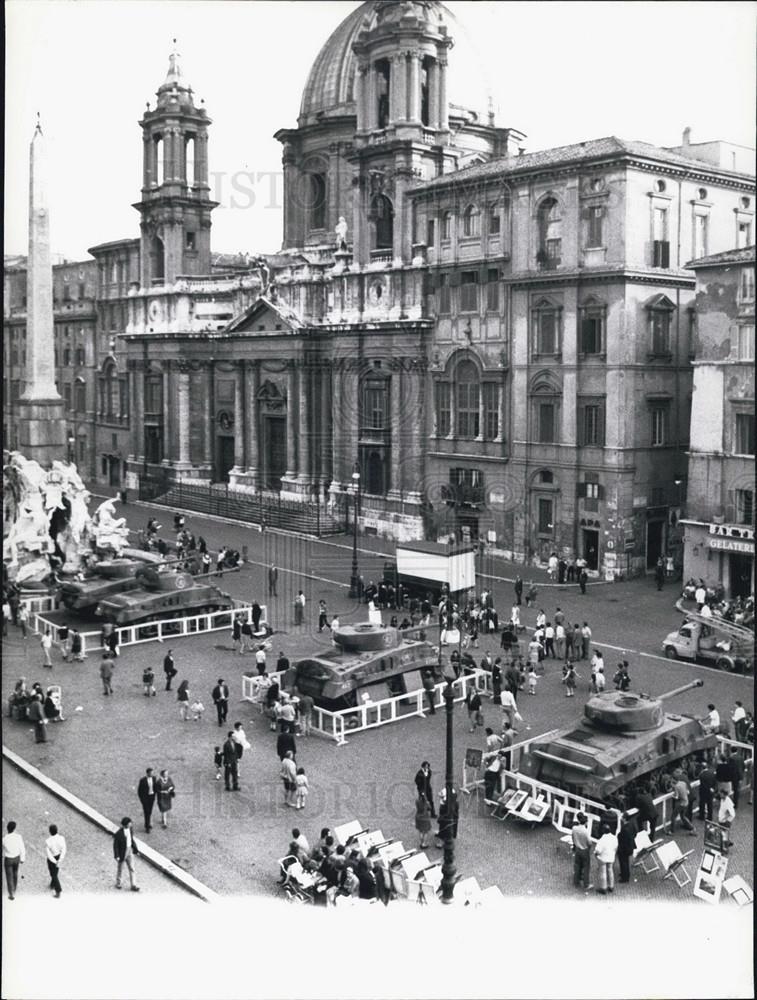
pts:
[301, 788]
[218, 761]
[197, 709]
[599, 679]
[532, 679]
[570, 680]
[148, 679]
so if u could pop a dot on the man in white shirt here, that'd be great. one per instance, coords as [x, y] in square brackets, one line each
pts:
[47, 644]
[726, 812]
[55, 850]
[605, 851]
[711, 721]
[706, 611]
[738, 718]
[700, 596]
[302, 841]
[14, 854]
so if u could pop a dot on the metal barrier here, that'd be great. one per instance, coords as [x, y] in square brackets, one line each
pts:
[173, 628]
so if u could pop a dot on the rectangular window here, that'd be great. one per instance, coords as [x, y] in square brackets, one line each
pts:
[659, 425]
[546, 525]
[700, 236]
[746, 343]
[154, 395]
[447, 226]
[660, 329]
[494, 221]
[744, 507]
[660, 224]
[67, 395]
[744, 235]
[123, 399]
[546, 332]
[82, 290]
[546, 413]
[15, 390]
[492, 290]
[375, 398]
[591, 332]
[746, 284]
[191, 237]
[595, 227]
[553, 248]
[430, 232]
[444, 296]
[81, 359]
[469, 291]
[745, 434]
[66, 293]
[443, 409]
[591, 424]
[491, 411]
[468, 424]
[468, 485]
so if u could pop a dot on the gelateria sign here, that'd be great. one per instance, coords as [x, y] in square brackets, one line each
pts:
[729, 544]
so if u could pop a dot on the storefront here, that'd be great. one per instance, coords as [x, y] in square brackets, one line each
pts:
[720, 553]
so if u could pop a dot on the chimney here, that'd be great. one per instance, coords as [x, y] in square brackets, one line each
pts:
[686, 140]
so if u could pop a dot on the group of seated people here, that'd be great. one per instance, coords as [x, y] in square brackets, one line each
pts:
[338, 870]
[22, 697]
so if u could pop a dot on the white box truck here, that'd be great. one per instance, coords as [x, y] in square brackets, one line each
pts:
[429, 566]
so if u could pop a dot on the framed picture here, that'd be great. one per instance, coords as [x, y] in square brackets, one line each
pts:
[473, 757]
[517, 801]
[716, 837]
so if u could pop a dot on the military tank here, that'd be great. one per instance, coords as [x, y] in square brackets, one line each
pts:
[376, 661]
[163, 595]
[108, 577]
[621, 738]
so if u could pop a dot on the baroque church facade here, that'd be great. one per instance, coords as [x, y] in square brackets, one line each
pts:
[493, 343]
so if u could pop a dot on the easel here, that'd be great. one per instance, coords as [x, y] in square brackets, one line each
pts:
[648, 855]
[472, 770]
[672, 860]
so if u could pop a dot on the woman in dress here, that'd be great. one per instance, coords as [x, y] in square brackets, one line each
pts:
[183, 696]
[164, 791]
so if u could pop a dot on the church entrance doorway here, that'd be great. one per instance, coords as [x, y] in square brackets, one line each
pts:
[225, 459]
[276, 452]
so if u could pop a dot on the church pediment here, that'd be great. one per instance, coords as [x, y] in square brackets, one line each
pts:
[266, 318]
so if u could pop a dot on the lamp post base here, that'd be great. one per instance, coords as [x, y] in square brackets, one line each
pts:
[354, 587]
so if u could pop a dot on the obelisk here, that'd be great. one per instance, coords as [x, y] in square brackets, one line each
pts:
[41, 426]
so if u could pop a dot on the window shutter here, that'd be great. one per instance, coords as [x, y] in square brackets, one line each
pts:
[454, 279]
[580, 490]
[483, 274]
[665, 253]
[600, 492]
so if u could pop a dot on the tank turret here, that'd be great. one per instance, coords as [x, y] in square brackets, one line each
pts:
[365, 636]
[629, 712]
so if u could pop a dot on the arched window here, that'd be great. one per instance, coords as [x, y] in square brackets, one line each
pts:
[382, 214]
[189, 160]
[467, 397]
[470, 221]
[317, 201]
[545, 400]
[158, 255]
[383, 71]
[160, 163]
[550, 234]
[425, 77]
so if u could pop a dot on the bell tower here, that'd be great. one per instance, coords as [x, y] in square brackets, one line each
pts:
[175, 207]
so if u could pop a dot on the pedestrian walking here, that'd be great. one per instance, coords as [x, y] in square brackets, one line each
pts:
[726, 813]
[241, 742]
[305, 707]
[301, 788]
[165, 791]
[288, 773]
[236, 635]
[581, 842]
[659, 575]
[531, 595]
[647, 810]
[626, 845]
[247, 637]
[146, 792]
[583, 579]
[197, 709]
[220, 696]
[422, 819]
[323, 621]
[148, 682]
[473, 704]
[423, 778]
[518, 591]
[260, 658]
[169, 668]
[532, 679]
[23, 619]
[124, 851]
[230, 764]
[109, 638]
[6, 617]
[64, 641]
[183, 697]
[14, 855]
[106, 672]
[273, 577]
[36, 715]
[738, 718]
[257, 614]
[569, 680]
[77, 645]
[552, 566]
[599, 678]
[299, 608]
[218, 761]
[585, 641]
[606, 851]
[286, 743]
[549, 640]
[707, 786]
[46, 642]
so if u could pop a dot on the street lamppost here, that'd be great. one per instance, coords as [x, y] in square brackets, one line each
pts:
[449, 871]
[71, 442]
[354, 576]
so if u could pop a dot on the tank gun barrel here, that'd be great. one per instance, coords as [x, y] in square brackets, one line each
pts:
[679, 690]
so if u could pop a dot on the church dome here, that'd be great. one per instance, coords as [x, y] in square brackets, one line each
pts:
[329, 91]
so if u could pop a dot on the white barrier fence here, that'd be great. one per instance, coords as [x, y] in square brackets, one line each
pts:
[157, 631]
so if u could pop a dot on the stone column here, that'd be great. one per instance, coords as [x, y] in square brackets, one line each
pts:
[399, 78]
[324, 435]
[443, 106]
[414, 108]
[303, 437]
[397, 404]
[433, 94]
[501, 436]
[210, 417]
[360, 98]
[147, 167]
[337, 422]
[201, 159]
[183, 416]
[372, 99]
[168, 454]
[253, 429]
[136, 408]
[291, 434]
[239, 421]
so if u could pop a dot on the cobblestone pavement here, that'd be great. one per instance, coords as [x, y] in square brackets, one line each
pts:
[231, 841]
[89, 866]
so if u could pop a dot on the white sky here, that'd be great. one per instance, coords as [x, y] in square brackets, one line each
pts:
[560, 72]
